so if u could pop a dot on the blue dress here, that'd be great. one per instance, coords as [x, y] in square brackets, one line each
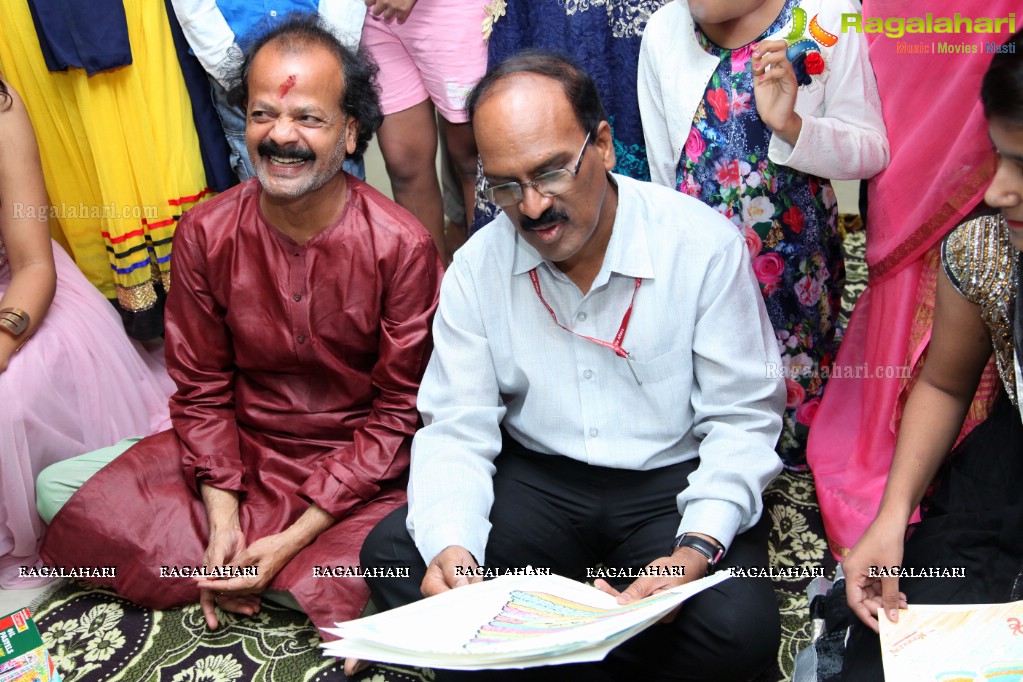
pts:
[789, 220]
[602, 37]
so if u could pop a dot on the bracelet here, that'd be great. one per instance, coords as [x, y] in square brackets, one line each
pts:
[14, 321]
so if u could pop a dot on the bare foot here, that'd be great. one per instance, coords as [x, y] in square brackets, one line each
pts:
[354, 665]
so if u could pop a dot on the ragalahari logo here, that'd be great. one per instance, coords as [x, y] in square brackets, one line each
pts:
[804, 51]
[897, 27]
[931, 25]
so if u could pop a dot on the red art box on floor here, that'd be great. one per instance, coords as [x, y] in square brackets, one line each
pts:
[23, 655]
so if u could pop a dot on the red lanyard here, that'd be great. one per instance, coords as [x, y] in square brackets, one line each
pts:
[617, 345]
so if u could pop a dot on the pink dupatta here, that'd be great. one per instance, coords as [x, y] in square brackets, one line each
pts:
[942, 161]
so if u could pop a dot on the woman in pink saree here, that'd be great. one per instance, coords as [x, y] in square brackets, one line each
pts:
[941, 162]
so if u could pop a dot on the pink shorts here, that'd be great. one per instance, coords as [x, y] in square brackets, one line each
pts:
[438, 53]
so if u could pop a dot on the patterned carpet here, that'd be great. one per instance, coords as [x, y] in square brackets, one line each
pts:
[96, 636]
[854, 245]
[797, 540]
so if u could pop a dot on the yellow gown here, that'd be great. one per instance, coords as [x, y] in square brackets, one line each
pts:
[119, 151]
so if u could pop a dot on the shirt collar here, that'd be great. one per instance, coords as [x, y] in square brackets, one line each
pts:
[526, 257]
[627, 251]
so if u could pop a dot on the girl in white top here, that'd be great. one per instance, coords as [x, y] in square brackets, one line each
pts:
[752, 106]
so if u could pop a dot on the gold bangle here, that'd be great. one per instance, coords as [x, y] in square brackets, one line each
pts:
[14, 321]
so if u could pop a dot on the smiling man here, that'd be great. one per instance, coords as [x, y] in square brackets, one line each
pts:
[297, 333]
[598, 401]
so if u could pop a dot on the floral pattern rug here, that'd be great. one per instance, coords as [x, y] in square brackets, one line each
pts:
[796, 541]
[96, 636]
[854, 246]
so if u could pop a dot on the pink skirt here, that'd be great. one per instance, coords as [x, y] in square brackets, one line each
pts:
[77, 385]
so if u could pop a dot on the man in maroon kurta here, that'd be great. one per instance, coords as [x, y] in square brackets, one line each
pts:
[297, 333]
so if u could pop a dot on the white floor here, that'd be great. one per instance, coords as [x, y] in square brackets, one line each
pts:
[848, 193]
[13, 600]
[376, 173]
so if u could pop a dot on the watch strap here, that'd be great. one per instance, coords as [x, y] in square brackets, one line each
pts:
[711, 550]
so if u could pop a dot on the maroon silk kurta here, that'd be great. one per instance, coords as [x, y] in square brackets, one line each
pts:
[297, 368]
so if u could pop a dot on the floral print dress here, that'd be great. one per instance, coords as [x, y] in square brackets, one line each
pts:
[789, 220]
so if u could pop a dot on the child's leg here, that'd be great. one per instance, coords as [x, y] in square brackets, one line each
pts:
[446, 42]
[408, 141]
[462, 150]
[408, 135]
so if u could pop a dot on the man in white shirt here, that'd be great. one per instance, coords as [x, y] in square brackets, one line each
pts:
[599, 395]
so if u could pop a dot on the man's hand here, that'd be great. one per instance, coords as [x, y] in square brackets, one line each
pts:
[354, 665]
[881, 546]
[695, 564]
[389, 10]
[268, 556]
[441, 575]
[242, 594]
[775, 90]
[226, 542]
[223, 547]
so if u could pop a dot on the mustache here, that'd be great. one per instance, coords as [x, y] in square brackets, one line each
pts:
[271, 148]
[546, 219]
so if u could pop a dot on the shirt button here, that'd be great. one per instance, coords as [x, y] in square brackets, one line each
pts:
[581, 316]
[301, 339]
[593, 433]
[273, 13]
[587, 374]
[297, 297]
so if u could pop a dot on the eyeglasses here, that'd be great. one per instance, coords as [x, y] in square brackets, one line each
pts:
[547, 184]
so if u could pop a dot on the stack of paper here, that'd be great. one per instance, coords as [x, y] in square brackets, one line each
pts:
[509, 622]
[954, 643]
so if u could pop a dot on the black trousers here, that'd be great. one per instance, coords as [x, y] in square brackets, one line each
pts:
[558, 513]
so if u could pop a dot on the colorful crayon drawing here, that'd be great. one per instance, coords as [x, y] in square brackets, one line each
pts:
[539, 614]
[513, 621]
[969, 643]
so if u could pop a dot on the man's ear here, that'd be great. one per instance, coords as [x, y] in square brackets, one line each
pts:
[351, 135]
[605, 143]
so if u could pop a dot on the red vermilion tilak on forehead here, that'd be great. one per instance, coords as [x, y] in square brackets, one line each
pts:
[287, 85]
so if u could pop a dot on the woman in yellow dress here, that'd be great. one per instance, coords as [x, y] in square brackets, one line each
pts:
[120, 156]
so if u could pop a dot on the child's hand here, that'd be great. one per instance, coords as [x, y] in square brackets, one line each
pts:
[774, 87]
[389, 10]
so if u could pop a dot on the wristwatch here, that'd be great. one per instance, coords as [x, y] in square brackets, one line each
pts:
[711, 550]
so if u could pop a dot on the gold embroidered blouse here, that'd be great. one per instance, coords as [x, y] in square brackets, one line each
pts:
[980, 261]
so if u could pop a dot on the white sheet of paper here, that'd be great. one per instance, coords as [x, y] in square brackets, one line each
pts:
[509, 622]
[955, 643]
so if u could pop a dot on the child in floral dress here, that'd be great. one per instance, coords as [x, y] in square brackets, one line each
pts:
[753, 106]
